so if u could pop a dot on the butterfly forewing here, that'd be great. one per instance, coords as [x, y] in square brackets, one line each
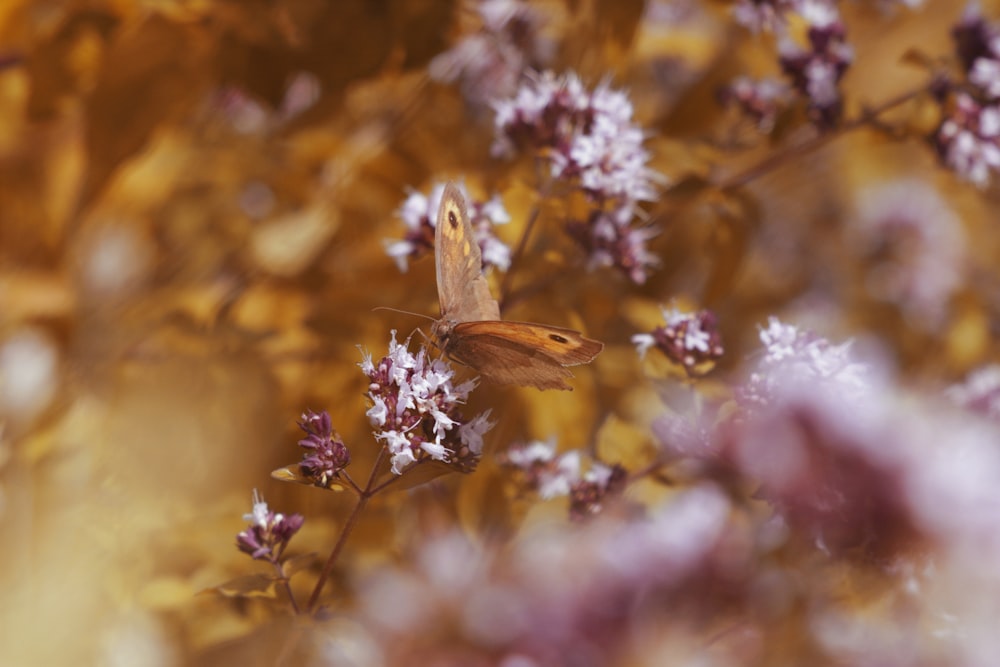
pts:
[463, 292]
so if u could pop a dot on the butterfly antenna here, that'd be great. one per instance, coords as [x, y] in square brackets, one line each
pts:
[404, 312]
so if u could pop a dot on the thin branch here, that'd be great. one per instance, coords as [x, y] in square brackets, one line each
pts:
[351, 482]
[280, 570]
[328, 567]
[515, 258]
[386, 483]
[775, 160]
[352, 520]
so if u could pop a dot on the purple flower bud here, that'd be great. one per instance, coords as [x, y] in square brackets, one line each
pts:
[974, 38]
[268, 533]
[589, 494]
[689, 339]
[328, 454]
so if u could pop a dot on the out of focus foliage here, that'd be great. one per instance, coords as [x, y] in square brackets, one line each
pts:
[196, 197]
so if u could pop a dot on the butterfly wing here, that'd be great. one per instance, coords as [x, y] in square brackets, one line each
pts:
[463, 291]
[470, 330]
[522, 353]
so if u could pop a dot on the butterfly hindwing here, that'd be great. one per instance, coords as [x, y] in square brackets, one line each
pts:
[566, 347]
[504, 361]
[522, 352]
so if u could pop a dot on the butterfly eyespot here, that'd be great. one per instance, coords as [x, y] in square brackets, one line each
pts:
[557, 338]
[452, 219]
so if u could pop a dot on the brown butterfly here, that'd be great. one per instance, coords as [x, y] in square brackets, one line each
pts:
[470, 330]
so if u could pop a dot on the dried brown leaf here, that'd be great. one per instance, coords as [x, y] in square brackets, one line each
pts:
[247, 586]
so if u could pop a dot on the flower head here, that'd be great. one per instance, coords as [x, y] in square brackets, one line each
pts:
[268, 533]
[610, 240]
[968, 140]
[794, 359]
[689, 339]
[915, 245]
[601, 481]
[328, 454]
[556, 590]
[589, 141]
[490, 62]
[833, 467]
[543, 471]
[588, 137]
[980, 392]
[551, 476]
[815, 69]
[415, 410]
[977, 42]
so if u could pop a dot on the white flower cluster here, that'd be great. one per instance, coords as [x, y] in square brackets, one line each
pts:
[814, 68]
[489, 63]
[415, 409]
[968, 138]
[795, 359]
[589, 141]
[592, 135]
[554, 475]
[979, 392]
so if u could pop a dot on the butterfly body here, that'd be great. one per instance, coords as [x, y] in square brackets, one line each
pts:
[470, 330]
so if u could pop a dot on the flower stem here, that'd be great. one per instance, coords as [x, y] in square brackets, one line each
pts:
[775, 160]
[522, 244]
[328, 567]
[288, 587]
[385, 484]
[352, 520]
[351, 482]
[653, 469]
[518, 252]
